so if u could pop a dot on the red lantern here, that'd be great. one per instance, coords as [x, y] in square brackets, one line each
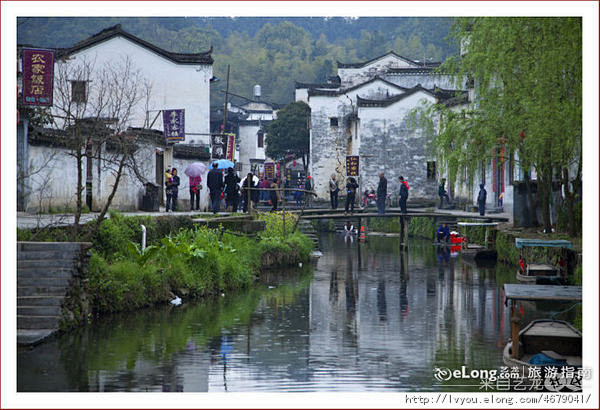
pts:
[522, 135]
[293, 156]
[278, 165]
[294, 163]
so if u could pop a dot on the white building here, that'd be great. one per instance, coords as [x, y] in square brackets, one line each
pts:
[163, 79]
[366, 110]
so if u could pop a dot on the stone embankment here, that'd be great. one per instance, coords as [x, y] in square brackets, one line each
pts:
[51, 288]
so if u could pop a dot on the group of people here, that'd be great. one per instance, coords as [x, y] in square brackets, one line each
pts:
[481, 197]
[234, 190]
[382, 193]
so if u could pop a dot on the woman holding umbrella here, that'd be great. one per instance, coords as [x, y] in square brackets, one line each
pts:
[194, 171]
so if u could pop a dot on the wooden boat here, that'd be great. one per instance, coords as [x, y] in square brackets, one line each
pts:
[555, 339]
[540, 273]
[475, 251]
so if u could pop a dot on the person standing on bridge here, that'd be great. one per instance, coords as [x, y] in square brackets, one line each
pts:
[443, 194]
[274, 195]
[333, 191]
[403, 194]
[351, 187]
[381, 193]
[481, 198]
[307, 195]
[214, 182]
[232, 190]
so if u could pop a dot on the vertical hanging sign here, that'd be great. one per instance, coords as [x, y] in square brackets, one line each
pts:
[269, 170]
[230, 147]
[38, 76]
[218, 143]
[352, 165]
[174, 125]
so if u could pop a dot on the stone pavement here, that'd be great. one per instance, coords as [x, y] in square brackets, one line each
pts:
[30, 221]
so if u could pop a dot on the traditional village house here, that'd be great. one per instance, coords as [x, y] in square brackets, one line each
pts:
[365, 110]
[165, 81]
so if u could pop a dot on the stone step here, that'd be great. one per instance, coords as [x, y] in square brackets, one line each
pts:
[50, 263]
[28, 337]
[46, 254]
[37, 322]
[45, 273]
[38, 310]
[48, 246]
[41, 291]
[40, 300]
[35, 281]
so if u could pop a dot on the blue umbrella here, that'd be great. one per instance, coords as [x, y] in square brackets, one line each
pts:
[224, 164]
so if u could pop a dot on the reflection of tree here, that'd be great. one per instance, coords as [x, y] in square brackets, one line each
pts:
[117, 344]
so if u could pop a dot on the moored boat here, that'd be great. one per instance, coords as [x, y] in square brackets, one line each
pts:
[545, 342]
[541, 273]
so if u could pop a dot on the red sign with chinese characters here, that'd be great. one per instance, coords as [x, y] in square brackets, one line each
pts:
[230, 147]
[38, 76]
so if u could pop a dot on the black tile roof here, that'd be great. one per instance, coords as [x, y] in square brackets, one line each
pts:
[362, 64]
[315, 92]
[114, 31]
[448, 97]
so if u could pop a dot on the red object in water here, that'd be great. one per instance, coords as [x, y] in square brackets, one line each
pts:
[455, 238]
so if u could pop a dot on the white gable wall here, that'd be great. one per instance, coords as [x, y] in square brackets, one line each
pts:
[174, 86]
[353, 76]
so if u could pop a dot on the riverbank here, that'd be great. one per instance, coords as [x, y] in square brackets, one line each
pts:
[181, 259]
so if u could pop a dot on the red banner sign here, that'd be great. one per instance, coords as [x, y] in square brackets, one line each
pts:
[230, 147]
[38, 76]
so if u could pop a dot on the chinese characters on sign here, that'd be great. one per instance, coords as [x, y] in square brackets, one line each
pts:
[38, 77]
[352, 162]
[174, 125]
[269, 170]
[230, 146]
[219, 145]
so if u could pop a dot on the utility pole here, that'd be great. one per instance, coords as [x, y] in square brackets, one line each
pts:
[226, 100]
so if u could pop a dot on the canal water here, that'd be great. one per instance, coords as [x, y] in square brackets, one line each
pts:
[363, 317]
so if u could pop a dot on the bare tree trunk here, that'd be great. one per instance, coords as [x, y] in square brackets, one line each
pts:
[78, 206]
[112, 192]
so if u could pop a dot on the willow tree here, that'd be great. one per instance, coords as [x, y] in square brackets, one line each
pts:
[526, 77]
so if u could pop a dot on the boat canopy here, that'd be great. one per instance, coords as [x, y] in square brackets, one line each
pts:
[558, 243]
[542, 292]
[477, 223]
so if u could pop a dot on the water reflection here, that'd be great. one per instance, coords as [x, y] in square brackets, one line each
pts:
[368, 317]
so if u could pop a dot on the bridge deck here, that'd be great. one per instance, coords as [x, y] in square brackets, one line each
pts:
[333, 214]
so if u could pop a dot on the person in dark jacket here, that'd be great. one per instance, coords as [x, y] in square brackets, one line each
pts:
[214, 182]
[443, 233]
[232, 190]
[351, 187]
[172, 191]
[308, 187]
[481, 198]
[381, 194]
[443, 194]
[403, 194]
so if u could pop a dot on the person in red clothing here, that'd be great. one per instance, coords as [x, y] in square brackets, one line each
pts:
[403, 194]
[195, 188]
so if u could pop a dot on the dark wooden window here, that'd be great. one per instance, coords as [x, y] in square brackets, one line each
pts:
[431, 171]
[78, 91]
[261, 139]
[333, 121]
